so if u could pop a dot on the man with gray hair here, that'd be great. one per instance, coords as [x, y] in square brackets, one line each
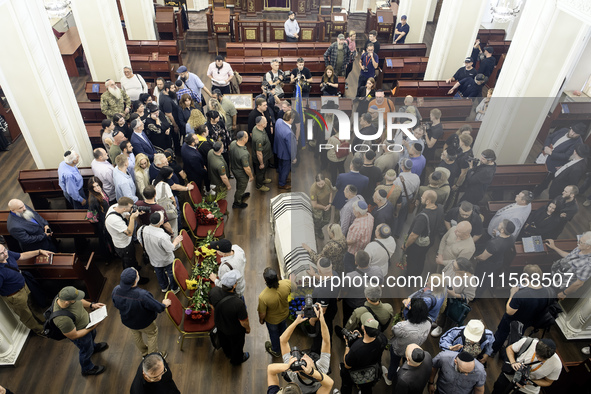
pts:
[274, 77]
[338, 55]
[359, 234]
[70, 180]
[133, 84]
[382, 248]
[381, 311]
[577, 262]
[26, 226]
[103, 170]
[115, 101]
[153, 376]
[140, 141]
[261, 147]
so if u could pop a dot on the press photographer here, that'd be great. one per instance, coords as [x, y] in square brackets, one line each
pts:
[480, 175]
[362, 366]
[291, 388]
[534, 364]
[304, 368]
[303, 76]
[275, 77]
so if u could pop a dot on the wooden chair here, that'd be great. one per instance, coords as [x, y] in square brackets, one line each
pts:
[180, 273]
[186, 327]
[196, 198]
[188, 246]
[200, 231]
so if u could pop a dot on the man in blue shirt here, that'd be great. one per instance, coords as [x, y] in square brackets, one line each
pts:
[368, 62]
[139, 310]
[292, 29]
[15, 292]
[285, 148]
[70, 180]
[401, 31]
[192, 82]
[469, 87]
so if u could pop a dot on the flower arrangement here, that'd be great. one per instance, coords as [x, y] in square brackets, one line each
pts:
[208, 210]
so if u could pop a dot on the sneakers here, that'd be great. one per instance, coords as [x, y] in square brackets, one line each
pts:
[97, 370]
[101, 347]
[586, 350]
[267, 181]
[163, 354]
[263, 188]
[164, 290]
[242, 205]
[385, 375]
[587, 203]
[286, 187]
[437, 331]
[269, 349]
[175, 291]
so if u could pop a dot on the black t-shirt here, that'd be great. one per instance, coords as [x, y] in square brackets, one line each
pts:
[469, 88]
[330, 90]
[228, 315]
[487, 66]
[419, 224]
[412, 380]
[305, 72]
[274, 389]
[454, 171]
[365, 354]
[164, 386]
[463, 157]
[463, 73]
[453, 216]
[433, 132]
[376, 46]
[497, 247]
[530, 303]
[375, 176]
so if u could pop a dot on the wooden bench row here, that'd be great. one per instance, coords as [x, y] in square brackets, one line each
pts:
[422, 88]
[252, 85]
[492, 207]
[301, 49]
[404, 68]
[64, 223]
[258, 65]
[487, 35]
[162, 47]
[151, 68]
[96, 96]
[44, 184]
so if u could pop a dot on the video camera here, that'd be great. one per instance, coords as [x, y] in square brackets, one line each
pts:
[299, 364]
[350, 336]
[309, 307]
[135, 208]
[522, 375]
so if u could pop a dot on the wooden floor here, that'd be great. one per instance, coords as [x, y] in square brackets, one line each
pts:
[46, 366]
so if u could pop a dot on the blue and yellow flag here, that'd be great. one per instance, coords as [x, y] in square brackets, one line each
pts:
[299, 107]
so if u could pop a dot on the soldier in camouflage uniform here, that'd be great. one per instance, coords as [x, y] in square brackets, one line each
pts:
[115, 101]
[240, 163]
[217, 168]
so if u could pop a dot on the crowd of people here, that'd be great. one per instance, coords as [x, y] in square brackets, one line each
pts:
[156, 148]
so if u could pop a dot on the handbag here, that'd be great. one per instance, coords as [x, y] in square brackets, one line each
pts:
[145, 257]
[424, 241]
[92, 216]
[343, 150]
[167, 203]
[457, 310]
[366, 375]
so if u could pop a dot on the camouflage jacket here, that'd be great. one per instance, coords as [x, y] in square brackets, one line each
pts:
[110, 105]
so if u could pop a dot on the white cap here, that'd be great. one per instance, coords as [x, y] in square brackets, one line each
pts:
[474, 330]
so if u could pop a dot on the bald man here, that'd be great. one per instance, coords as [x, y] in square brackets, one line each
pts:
[26, 226]
[457, 242]
[414, 373]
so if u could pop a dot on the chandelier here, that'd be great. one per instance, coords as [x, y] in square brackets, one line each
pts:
[57, 8]
[505, 10]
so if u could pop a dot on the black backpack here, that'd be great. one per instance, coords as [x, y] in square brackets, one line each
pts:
[50, 330]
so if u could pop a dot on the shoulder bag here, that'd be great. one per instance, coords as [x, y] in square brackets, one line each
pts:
[410, 205]
[424, 241]
[166, 202]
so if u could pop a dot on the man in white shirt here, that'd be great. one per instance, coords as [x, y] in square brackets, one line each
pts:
[292, 29]
[456, 243]
[121, 232]
[232, 258]
[516, 212]
[133, 84]
[381, 249]
[221, 74]
[540, 355]
[103, 170]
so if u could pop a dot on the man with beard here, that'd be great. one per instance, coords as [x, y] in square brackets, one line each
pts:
[28, 228]
[169, 106]
[192, 82]
[115, 101]
[221, 74]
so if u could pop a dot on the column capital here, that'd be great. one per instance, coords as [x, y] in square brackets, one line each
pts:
[580, 9]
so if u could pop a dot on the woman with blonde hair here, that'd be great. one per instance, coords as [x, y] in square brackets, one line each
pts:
[195, 120]
[142, 174]
[215, 105]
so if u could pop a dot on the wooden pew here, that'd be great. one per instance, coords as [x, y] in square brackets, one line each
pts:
[94, 133]
[566, 115]
[151, 68]
[94, 96]
[487, 35]
[518, 177]
[421, 88]
[404, 68]
[64, 223]
[44, 184]
[543, 259]
[500, 47]
[257, 65]
[252, 85]
[457, 110]
[491, 207]
[162, 47]
[91, 111]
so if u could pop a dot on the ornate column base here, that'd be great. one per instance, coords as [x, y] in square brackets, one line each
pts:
[13, 335]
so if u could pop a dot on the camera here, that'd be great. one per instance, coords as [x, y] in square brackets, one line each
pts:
[350, 336]
[323, 86]
[299, 364]
[135, 208]
[473, 159]
[522, 375]
[48, 230]
[309, 307]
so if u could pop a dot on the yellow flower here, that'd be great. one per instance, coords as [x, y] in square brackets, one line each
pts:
[289, 298]
[191, 284]
[205, 252]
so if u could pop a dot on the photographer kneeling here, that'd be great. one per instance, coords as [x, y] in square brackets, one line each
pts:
[299, 375]
[362, 364]
[294, 364]
[534, 366]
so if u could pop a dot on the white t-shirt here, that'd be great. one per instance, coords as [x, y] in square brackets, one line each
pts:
[134, 86]
[378, 256]
[163, 190]
[237, 262]
[116, 226]
[550, 368]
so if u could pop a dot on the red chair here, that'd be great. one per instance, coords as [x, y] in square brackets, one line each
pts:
[186, 327]
[180, 273]
[196, 198]
[188, 247]
[200, 231]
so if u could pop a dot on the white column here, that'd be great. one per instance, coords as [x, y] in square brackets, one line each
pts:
[432, 10]
[13, 335]
[139, 18]
[102, 38]
[457, 27]
[417, 12]
[576, 323]
[37, 86]
[534, 70]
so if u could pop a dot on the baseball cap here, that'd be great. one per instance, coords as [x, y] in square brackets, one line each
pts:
[403, 17]
[223, 245]
[474, 330]
[70, 293]
[181, 69]
[230, 278]
[341, 36]
[128, 277]
[369, 321]
[468, 60]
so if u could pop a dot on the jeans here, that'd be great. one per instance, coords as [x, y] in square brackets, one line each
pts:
[275, 331]
[291, 39]
[394, 364]
[75, 204]
[165, 277]
[86, 345]
[233, 346]
[284, 168]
